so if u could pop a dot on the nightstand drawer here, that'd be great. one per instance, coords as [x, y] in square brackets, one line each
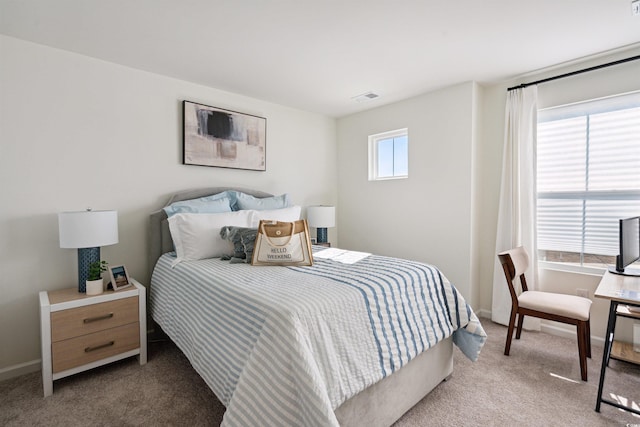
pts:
[79, 351]
[92, 318]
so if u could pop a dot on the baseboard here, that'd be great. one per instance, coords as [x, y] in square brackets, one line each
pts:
[553, 329]
[20, 369]
[550, 328]
[485, 314]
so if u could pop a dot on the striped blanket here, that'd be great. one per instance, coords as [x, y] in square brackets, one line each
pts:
[286, 346]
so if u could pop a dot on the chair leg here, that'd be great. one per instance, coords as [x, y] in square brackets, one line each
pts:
[512, 321]
[582, 349]
[589, 338]
[520, 322]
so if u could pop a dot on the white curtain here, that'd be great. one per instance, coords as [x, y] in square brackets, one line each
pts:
[517, 212]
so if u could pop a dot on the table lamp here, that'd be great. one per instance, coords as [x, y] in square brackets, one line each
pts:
[321, 217]
[87, 231]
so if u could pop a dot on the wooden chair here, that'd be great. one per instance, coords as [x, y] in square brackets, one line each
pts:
[570, 309]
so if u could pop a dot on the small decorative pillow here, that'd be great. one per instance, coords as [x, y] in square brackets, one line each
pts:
[197, 236]
[245, 201]
[234, 235]
[243, 239]
[248, 243]
[217, 203]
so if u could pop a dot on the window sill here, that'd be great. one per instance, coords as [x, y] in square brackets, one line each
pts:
[389, 178]
[570, 268]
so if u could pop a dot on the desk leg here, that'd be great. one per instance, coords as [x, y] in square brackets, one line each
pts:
[606, 354]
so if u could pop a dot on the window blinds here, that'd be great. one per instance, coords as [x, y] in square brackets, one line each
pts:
[588, 173]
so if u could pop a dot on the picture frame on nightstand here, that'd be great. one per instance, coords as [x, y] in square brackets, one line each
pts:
[119, 277]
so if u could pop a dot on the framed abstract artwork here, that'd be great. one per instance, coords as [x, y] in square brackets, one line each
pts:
[223, 138]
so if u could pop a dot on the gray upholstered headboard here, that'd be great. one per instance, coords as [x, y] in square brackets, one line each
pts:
[159, 236]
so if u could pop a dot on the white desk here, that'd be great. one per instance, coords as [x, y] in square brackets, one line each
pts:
[621, 291]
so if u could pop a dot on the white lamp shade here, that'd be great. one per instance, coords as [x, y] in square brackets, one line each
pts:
[88, 229]
[321, 216]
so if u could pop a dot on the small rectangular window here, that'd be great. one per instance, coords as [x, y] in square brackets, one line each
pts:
[389, 155]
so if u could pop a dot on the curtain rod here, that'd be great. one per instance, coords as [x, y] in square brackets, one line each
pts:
[573, 73]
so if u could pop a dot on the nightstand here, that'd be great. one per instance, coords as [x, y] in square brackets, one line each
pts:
[325, 244]
[80, 332]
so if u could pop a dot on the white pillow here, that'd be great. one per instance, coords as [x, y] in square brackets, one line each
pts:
[197, 236]
[285, 214]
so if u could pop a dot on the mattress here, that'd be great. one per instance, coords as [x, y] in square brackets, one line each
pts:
[288, 345]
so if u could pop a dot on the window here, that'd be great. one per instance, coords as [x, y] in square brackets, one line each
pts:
[588, 177]
[389, 155]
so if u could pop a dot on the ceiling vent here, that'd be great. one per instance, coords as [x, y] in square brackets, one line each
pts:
[368, 96]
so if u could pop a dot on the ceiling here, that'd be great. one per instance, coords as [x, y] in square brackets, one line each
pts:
[318, 54]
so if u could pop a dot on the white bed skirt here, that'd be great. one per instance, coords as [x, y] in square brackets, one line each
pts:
[386, 401]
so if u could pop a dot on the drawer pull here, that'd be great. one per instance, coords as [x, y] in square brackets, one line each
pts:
[103, 317]
[98, 347]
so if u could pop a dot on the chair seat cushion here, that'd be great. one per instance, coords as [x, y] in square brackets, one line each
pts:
[571, 306]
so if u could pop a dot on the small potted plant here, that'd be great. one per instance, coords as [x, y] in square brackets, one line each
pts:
[95, 284]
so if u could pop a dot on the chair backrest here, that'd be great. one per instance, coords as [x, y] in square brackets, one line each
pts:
[515, 263]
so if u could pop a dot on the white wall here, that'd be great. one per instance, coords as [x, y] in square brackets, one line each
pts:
[604, 82]
[78, 132]
[427, 217]
[446, 212]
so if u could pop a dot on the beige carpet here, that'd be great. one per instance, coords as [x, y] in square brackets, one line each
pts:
[538, 385]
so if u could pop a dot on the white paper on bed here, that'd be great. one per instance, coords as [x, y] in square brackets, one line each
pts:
[286, 346]
[341, 255]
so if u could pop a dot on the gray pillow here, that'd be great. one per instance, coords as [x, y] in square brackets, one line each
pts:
[243, 240]
[248, 239]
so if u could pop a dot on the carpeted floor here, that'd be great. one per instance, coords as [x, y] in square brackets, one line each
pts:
[537, 385]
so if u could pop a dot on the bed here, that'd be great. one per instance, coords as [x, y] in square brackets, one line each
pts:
[323, 345]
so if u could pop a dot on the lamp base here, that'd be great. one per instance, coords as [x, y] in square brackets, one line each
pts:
[321, 235]
[86, 256]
